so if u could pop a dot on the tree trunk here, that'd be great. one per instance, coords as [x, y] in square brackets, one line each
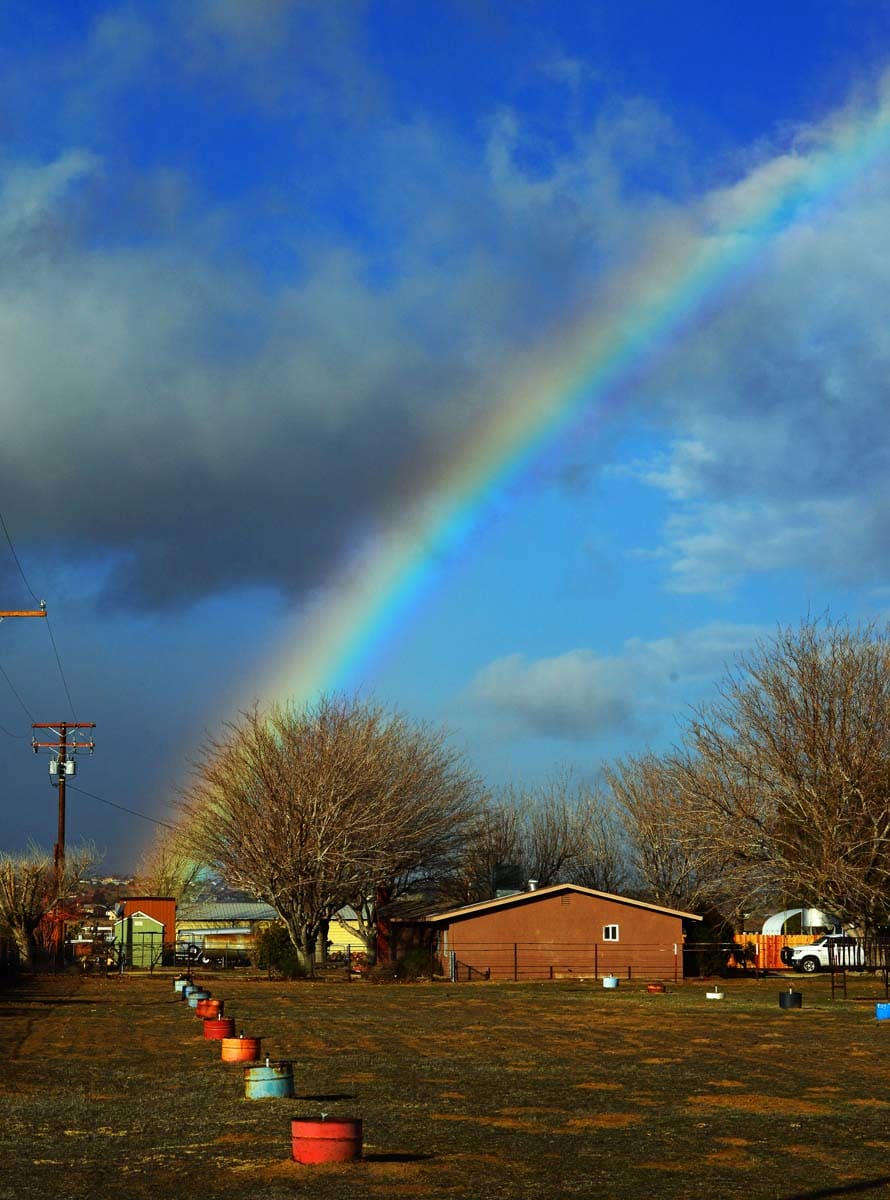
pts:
[24, 941]
[303, 939]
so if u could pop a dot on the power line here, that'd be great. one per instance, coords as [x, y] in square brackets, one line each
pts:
[48, 626]
[3, 729]
[61, 672]
[12, 688]
[123, 808]
[17, 563]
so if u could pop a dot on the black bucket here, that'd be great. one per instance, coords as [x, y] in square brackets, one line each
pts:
[790, 999]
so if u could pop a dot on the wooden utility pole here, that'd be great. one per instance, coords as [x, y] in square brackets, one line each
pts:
[61, 766]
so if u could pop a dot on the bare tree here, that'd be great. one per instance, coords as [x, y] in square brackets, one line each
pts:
[30, 886]
[316, 808]
[560, 832]
[168, 869]
[601, 858]
[788, 775]
[668, 862]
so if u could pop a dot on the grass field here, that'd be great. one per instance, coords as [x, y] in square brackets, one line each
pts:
[474, 1090]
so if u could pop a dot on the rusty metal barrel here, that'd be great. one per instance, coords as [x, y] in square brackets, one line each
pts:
[216, 1028]
[240, 1049]
[326, 1139]
[210, 1008]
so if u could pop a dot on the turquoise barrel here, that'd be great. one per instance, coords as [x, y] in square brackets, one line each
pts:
[882, 1012]
[194, 997]
[268, 1081]
[182, 982]
[189, 988]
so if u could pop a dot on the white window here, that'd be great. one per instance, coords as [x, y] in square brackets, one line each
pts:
[610, 933]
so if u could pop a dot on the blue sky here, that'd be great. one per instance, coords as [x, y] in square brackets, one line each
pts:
[263, 269]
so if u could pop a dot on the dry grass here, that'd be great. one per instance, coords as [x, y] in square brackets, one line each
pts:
[490, 1090]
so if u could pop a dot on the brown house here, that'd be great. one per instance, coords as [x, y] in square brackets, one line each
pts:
[551, 932]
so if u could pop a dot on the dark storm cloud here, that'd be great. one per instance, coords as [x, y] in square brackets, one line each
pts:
[183, 417]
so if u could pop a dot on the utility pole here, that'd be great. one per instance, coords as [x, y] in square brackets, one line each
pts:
[61, 766]
[24, 612]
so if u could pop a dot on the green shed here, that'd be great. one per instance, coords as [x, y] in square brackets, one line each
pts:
[141, 939]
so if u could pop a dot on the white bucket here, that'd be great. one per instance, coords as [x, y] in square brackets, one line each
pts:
[610, 981]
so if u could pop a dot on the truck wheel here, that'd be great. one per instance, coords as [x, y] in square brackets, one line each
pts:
[809, 965]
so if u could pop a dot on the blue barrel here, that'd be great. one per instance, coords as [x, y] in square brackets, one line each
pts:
[882, 1012]
[196, 995]
[273, 1079]
[189, 988]
[610, 981]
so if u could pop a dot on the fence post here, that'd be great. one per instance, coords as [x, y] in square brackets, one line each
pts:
[349, 963]
[596, 957]
[515, 962]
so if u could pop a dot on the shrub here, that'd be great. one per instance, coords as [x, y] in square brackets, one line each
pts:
[275, 949]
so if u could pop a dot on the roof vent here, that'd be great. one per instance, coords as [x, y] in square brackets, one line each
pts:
[533, 885]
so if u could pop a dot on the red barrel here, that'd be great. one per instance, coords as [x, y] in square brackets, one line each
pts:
[326, 1140]
[219, 1027]
[240, 1049]
[209, 1008]
[655, 988]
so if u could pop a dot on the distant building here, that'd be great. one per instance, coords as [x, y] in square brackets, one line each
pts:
[219, 926]
[548, 932]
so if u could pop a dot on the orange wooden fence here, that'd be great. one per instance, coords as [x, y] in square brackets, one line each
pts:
[769, 946]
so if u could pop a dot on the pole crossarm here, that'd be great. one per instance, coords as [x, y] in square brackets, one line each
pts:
[62, 730]
[22, 612]
[91, 745]
[57, 725]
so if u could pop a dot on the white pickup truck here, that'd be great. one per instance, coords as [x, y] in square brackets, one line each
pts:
[835, 949]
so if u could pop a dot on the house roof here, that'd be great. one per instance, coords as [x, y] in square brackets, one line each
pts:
[227, 910]
[142, 916]
[469, 910]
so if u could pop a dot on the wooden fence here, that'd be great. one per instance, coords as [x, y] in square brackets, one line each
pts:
[769, 946]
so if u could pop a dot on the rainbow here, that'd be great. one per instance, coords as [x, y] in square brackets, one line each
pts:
[362, 606]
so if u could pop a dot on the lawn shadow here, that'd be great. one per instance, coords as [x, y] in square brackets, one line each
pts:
[328, 1096]
[847, 1189]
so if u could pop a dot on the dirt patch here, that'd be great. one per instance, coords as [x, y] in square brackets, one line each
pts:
[756, 1103]
[612, 1120]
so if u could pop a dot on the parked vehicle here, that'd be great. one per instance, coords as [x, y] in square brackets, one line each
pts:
[835, 949]
[186, 952]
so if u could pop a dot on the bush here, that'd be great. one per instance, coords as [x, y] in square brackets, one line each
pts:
[275, 949]
[416, 964]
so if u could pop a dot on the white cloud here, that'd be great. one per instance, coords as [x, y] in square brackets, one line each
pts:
[584, 695]
[775, 409]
